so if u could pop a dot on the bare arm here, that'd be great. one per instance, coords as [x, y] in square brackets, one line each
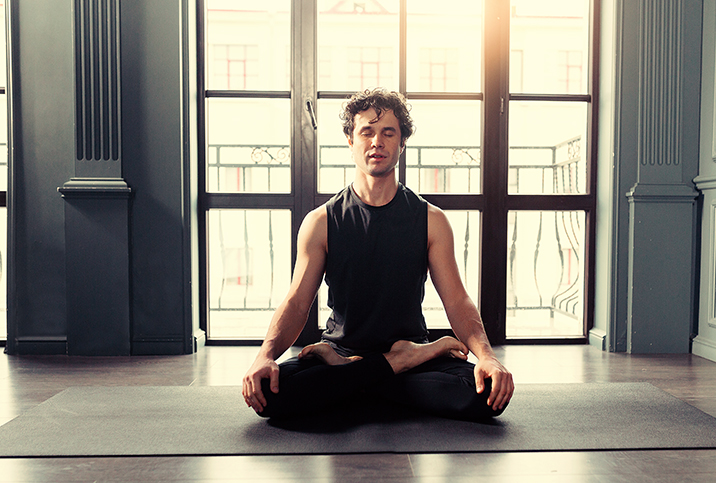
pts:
[461, 311]
[290, 317]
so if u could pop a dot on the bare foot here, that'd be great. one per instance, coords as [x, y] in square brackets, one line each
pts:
[325, 353]
[404, 355]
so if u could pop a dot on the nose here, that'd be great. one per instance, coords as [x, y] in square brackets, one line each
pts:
[377, 141]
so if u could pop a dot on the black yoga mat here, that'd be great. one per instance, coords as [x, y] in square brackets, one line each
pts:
[118, 421]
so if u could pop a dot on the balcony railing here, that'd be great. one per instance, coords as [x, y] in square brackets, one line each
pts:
[545, 253]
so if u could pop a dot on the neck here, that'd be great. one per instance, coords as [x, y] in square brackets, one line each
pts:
[376, 191]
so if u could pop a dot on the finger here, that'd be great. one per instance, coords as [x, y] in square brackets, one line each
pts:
[254, 404]
[506, 389]
[495, 392]
[479, 380]
[257, 395]
[250, 400]
[246, 391]
[247, 396]
[457, 354]
[273, 381]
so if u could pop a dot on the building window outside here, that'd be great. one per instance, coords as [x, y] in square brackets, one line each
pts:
[3, 177]
[235, 67]
[438, 69]
[369, 66]
[570, 69]
[249, 157]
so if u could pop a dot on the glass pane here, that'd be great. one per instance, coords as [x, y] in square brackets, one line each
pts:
[249, 270]
[3, 52]
[3, 142]
[549, 44]
[444, 156]
[3, 180]
[358, 45]
[548, 148]
[248, 44]
[466, 229]
[335, 163]
[545, 274]
[248, 145]
[3, 273]
[444, 46]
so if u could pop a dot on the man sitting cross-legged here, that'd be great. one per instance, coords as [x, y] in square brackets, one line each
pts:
[375, 242]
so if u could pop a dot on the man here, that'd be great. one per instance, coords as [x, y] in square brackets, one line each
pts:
[375, 242]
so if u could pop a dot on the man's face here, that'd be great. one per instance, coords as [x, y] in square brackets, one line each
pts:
[376, 144]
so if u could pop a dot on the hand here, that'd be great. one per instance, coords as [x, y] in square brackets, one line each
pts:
[262, 368]
[502, 384]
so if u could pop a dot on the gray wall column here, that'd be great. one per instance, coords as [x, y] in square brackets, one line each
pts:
[648, 156]
[41, 152]
[705, 343]
[159, 153]
[661, 260]
[97, 271]
[96, 198]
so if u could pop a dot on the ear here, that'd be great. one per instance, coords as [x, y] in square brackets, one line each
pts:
[350, 141]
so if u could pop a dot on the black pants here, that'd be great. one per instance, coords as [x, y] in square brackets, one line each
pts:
[443, 387]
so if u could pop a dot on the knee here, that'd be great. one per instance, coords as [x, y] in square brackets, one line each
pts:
[478, 409]
[271, 400]
[491, 413]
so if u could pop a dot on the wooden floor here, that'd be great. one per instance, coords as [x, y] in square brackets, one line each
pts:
[28, 381]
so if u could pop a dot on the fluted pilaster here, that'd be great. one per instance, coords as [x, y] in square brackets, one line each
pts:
[661, 204]
[97, 197]
[660, 85]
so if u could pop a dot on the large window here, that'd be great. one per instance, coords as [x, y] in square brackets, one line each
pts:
[3, 178]
[501, 94]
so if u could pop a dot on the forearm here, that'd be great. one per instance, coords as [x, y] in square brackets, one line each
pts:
[467, 325]
[284, 329]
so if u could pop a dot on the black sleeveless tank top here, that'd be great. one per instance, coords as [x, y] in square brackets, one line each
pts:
[376, 270]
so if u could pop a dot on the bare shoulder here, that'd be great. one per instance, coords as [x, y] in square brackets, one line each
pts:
[314, 228]
[316, 216]
[439, 229]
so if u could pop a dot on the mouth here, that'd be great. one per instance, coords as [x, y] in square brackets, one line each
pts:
[377, 156]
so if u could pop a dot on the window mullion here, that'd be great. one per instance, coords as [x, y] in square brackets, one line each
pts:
[304, 148]
[494, 154]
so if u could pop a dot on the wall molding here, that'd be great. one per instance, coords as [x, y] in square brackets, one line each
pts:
[97, 80]
[662, 193]
[41, 345]
[660, 83]
[95, 188]
[705, 348]
[706, 182]
[158, 346]
[598, 338]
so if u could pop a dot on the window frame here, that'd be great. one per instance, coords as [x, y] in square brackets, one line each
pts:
[494, 202]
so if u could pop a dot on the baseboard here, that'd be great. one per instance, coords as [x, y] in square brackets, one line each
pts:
[50, 345]
[199, 339]
[704, 348]
[158, 347]
[598, 338]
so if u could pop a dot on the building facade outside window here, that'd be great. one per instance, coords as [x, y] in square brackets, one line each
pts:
[502, 145]
[235, 66]
[3, 177]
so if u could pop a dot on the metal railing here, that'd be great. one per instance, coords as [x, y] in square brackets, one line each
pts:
[557, 288]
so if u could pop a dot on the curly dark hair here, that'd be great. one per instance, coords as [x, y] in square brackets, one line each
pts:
[381, 100]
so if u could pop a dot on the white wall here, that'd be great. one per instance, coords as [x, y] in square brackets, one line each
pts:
[705, 343]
